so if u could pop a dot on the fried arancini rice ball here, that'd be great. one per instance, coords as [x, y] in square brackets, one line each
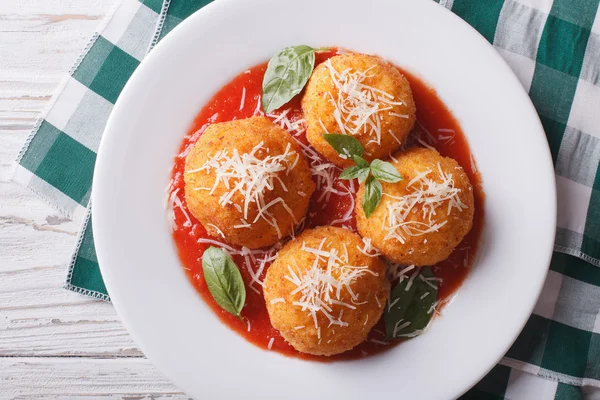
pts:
[359, 95]
[247, 182]
[422, 218]
[323, 294]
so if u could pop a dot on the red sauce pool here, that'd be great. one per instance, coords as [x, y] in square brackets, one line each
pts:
[435, 125]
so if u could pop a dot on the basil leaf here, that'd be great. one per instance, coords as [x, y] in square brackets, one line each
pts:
[361, 162]
[351, 172]
[372, 196]
[224, 280]
[347, 146]
[412, 305]
[363, 174]
[286, 75]
[385, 171]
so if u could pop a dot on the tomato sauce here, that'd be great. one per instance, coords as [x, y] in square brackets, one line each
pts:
[241, 99]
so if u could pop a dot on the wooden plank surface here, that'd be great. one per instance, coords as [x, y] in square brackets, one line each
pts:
[76, 378]
[54, 344]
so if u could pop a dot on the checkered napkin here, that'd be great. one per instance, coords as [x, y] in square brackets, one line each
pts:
[554, 49]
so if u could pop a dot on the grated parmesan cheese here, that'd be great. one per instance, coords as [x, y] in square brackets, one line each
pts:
[427, 196]
[255, 261]
[381, 342]
[294, 126]
[398, 327]
[175, 202]
[377, 301]
[411, 280]
[393, 303]
[220, 232]
[359, 108]
[427, 282]
[368, 249]
[257, 110]
[398, 271]
[324, 172]
[243, 101]
[323, 284]
[251, 176]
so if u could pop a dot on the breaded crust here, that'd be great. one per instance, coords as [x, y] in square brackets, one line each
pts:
[429, 248]
[321, 94]
[371, 289]
[243, 136]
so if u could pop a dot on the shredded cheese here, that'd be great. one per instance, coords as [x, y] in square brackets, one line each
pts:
[377, 301]
[295, 126]
[428, 136]
[175, 202]
[220, 232]
[411, 334]
[325, 283]
[358, 107]
[229, 249]
[449, 138]
[368, 249]
[349, 191]
[399, 326]
[255, 261]
[473, 165]
[324, 172]
[257, 110]
[411, 280]
[251, 175]
[427, 282]
[427, 195]
[243, 101]
[393, 303]
[381, 342]
[398, 271]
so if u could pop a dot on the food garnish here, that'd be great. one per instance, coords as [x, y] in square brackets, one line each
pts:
[411, 305]
[224, 280]
[349, 147]
[287, 74]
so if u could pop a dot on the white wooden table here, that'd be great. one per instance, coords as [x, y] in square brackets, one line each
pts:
[54, 344]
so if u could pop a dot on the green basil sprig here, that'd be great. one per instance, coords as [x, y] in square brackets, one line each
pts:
[286, 75]
[412, 305]
[349, 147]
[372, 197]
[224, 280]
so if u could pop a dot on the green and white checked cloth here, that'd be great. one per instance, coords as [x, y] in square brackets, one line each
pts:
[554, 49]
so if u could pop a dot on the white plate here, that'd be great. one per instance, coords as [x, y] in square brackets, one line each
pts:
[147, 284]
